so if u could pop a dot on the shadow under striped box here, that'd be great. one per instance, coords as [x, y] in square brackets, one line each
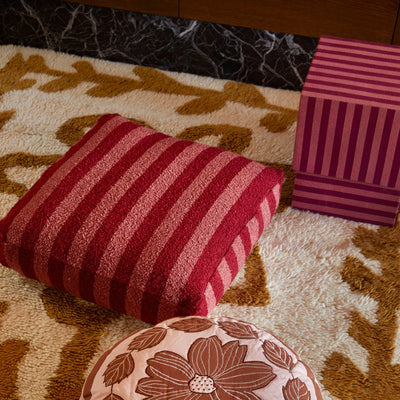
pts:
[347, 151]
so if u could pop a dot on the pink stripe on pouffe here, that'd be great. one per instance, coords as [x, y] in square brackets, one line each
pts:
[45, 189]
[103, 126]
[146, 173]
[166, 230]
[204, 232]
[184, 267]
[66, 185]
[117, 245]
[239, 207]
[75, 203]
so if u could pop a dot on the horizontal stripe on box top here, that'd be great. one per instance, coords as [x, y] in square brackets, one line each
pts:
[361, 51]
[367, 58]
[355, 63]
[345, 76]
[346, 214]
[20, 214]
[315, 192]
[66, 220]
[354, 44]
[65, 185]
[345, 70]
[130, 200]
[383, 93]
[349, 185]
[370, 209]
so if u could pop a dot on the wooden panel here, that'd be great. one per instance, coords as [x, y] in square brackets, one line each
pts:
[358, 19]
[396, 33]
[161, 7]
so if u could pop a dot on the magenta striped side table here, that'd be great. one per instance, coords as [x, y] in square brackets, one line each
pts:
[347, 152]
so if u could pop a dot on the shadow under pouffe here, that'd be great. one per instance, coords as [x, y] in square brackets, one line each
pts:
[200, 358]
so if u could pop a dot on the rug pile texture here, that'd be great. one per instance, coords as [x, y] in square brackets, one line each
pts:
[328, 288]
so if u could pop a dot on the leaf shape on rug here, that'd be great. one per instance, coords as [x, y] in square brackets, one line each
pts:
[23, 160]
[11, 75]
[203, 105]
[233, 138]
[12, 352]
[277, 122]
[246, 94]
[341, 375]
[254, 291]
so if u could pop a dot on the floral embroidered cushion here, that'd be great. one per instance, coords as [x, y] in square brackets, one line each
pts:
[201, 358]
[141, 222]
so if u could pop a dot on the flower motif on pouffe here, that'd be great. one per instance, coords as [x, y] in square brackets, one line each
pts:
[212, 371]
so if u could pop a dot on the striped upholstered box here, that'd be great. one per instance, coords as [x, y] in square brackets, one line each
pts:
[347, 152]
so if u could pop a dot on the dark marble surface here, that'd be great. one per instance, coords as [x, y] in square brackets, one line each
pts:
[175, 44]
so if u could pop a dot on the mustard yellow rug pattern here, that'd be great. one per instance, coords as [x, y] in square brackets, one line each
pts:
[328, 288]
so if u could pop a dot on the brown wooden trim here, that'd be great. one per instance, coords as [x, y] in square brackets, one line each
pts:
[358, 19]
[370, 20]
[396, 33]
[161, 7]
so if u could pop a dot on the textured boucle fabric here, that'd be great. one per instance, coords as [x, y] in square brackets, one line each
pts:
[141, 222]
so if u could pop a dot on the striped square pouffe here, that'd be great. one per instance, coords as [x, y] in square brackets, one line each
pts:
[347, 152]
[141, 222]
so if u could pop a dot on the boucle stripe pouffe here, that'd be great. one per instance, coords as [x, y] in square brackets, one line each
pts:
[141, 222]
[196, 358]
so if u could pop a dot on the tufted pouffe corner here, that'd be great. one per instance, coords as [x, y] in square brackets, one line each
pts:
[199, 358]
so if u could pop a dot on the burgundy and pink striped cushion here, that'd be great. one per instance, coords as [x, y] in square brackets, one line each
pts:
[141, 222]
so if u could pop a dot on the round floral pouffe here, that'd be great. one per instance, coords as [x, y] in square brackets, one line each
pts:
[197, 358]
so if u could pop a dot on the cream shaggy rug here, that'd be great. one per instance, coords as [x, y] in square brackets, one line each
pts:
[328, 288]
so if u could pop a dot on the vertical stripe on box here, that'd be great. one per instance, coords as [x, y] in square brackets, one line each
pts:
[366, 153]
[307, 132]
[352, 141]
[338, 138]
[383, 147]
[330, 135]
[326, 109]
[395, 166]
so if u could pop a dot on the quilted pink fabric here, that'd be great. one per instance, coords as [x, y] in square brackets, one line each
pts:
[141, 222]
[196, 358]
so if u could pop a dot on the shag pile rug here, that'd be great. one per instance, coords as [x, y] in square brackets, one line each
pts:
[328, 288]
